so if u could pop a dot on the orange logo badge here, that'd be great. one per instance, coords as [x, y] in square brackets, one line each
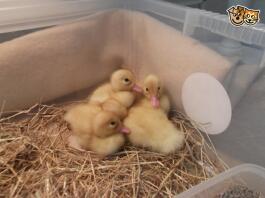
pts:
[240, 15]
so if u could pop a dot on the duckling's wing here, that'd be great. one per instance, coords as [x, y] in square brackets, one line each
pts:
[101, 94]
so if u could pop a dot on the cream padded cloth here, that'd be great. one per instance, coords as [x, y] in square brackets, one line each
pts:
[51, 63]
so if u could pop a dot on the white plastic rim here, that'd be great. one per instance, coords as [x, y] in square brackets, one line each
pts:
[219, 179]
[206, 101]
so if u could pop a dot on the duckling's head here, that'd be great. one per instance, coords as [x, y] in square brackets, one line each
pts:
[153, 89]
[107, 123]
[124, 80]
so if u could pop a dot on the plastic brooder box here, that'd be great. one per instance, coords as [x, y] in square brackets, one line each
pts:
[244, 46]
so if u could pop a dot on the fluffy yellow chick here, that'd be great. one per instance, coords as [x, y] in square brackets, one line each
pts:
[95, 129]
[149, 127]
[154, 91]
[122, 84]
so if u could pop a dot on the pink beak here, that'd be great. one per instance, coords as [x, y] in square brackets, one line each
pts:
[137, 88]
[155, 102]
[125, 130]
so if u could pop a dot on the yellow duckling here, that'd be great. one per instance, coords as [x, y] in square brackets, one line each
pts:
[148, 122]
[121, 87]
[95, 129]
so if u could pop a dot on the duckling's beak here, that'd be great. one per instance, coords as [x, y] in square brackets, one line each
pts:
[137, 88]
[125, 130]
[155, 102]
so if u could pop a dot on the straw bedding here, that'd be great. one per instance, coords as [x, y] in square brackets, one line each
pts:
[35, 161]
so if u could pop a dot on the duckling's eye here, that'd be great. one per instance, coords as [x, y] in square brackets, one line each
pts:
[126, 81]
[158, 88]
[112, 124]
[146, 89]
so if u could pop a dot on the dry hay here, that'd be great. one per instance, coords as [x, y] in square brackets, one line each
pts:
[35, 161]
